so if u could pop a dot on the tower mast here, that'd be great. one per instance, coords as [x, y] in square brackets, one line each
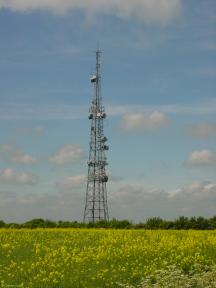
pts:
[96, 207]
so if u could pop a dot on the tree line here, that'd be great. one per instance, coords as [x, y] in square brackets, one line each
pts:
[197, 223]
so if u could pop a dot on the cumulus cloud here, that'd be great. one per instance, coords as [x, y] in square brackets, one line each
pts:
[129, 192]
[143, 122]
[62, 206]
[202, 130]
[22, 158]
[201, 158]
[67, 154]
[79, 181]
[10, 177]
[130, 200]
[196, 191]
[135, 200]
[15, 155]
[64, 111]
[71, 182]
[149, 11]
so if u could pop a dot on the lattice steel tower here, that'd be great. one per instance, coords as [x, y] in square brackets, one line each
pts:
[96, 207]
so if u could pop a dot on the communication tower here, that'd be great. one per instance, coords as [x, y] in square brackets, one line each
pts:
[96, 207]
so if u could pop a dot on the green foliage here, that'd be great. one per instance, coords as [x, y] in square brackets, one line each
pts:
[12, 225]
[120, 224]
[154, 223]
[2, 224]
[35, 223]
[181, 223]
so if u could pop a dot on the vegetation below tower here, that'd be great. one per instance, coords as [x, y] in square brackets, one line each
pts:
[185, 223]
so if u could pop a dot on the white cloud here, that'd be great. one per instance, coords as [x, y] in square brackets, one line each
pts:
[142, 122]
[62, 206]
[201, 108]
[130, 200]
[196, 191]
[71, 182]
[22, 158]
[14, 111]
[201, 158]
[79, 181]
[15, 155]
[129, 192]
[149, 11]
[202, 130]
[9, 177]
[135, 200]
[112, 177]
[67, 154]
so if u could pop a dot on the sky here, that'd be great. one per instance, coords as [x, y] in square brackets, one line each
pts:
[158, 87]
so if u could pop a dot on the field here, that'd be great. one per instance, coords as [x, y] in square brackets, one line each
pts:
[106, 258]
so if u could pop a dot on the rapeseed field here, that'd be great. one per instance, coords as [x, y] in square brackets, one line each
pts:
[96, 258]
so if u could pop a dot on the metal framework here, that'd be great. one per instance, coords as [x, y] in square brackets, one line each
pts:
[96, 207]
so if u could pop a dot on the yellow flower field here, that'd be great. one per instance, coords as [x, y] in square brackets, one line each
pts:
[97, 257]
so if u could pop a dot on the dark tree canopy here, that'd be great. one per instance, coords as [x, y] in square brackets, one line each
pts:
[198, 223]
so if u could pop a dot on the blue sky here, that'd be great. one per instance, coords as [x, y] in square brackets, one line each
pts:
[159, 81]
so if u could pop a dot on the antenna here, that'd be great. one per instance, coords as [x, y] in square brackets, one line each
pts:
[96, 207]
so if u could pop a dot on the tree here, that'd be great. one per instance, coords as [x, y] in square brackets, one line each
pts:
[212, 222]
[2, 224]
[202, 223]
[155, 223]
[119, 224]
[50, 224]
[35, 223]
[181, 223]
